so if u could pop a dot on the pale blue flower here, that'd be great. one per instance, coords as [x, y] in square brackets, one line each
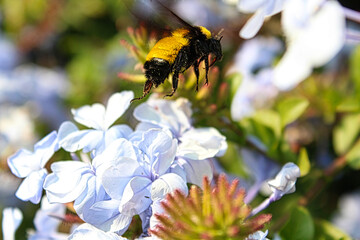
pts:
[47, 221]
[100, 120]
[283, 183]
[121, 182]
[255, 92]
[315, 32]
[259, 235]
[261, 10]
[194, 144]
[42, 86]
[88, 231]
[31, 166]
[12, 217]
[143, 176]
[347, 217]
[9, 55]
[259, 169]
[78, 181]
[253, 61]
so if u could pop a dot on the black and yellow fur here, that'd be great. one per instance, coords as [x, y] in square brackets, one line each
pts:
[185, 47]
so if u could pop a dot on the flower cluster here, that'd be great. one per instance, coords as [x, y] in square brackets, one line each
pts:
[120, 172]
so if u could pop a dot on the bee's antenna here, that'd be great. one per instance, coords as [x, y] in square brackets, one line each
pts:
[218, 35]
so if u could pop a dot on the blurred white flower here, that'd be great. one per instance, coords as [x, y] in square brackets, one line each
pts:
[8, 54]
[261, 10]
[315, 31]
[47, 220]
[255, 92]
[12, 217]
[259, 235]
[16, 129]
[348, 217]
[253, 61]
[41, 87]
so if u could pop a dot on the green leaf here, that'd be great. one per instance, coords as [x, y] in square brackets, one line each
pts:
[291, 109]
[300, 226]
[349, 105]
[234, 80]
[346, 132]
[353, 156]
[303, 162]
[355, 70]
[270, 119]
[326, 231]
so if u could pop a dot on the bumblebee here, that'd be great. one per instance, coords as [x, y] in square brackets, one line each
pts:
[185, 47]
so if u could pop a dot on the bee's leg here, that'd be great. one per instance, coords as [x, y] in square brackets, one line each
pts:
[175, 80]
[196, 70]
[147, 88]
[180, 61]
[206, 60]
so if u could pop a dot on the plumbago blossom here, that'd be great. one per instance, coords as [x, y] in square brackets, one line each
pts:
[31, 166]
[283, 183]
[195, 144]
[11, 220]
[253, 61]
[100, 120]
[120, 173]
[261, 9]
[315, 32]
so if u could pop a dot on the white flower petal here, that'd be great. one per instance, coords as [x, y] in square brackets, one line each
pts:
[44, 221]
[121, 154]
[253, 25]
[285, 180]
[87, 231]
[201, 143]
[136, 197]
[116, 179]
[160, 148]
[172, 115]
[12, 217]
[293, 68]
[315, 31]
[258, 235]
[165, 184]
[144, 112]
[32, 186]
[23, 162]
[72, 140]
[196, 170]
[46, 147]
[117, 104]
[91, 116]
[67, 181]
[117, 131]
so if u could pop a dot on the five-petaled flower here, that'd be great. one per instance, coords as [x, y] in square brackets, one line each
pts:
[31, 166]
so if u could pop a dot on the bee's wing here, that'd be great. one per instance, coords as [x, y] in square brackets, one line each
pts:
[157, 15]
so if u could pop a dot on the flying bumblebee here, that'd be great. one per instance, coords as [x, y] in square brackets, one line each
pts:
[185, 47]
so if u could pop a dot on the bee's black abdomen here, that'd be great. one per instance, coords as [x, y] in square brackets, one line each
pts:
[157, 70]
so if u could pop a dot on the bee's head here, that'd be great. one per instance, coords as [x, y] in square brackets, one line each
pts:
[215, 47]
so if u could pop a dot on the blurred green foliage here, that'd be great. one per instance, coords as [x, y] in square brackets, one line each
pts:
[321, 115]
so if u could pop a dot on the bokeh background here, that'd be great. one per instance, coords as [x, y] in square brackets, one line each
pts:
[61, 54]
